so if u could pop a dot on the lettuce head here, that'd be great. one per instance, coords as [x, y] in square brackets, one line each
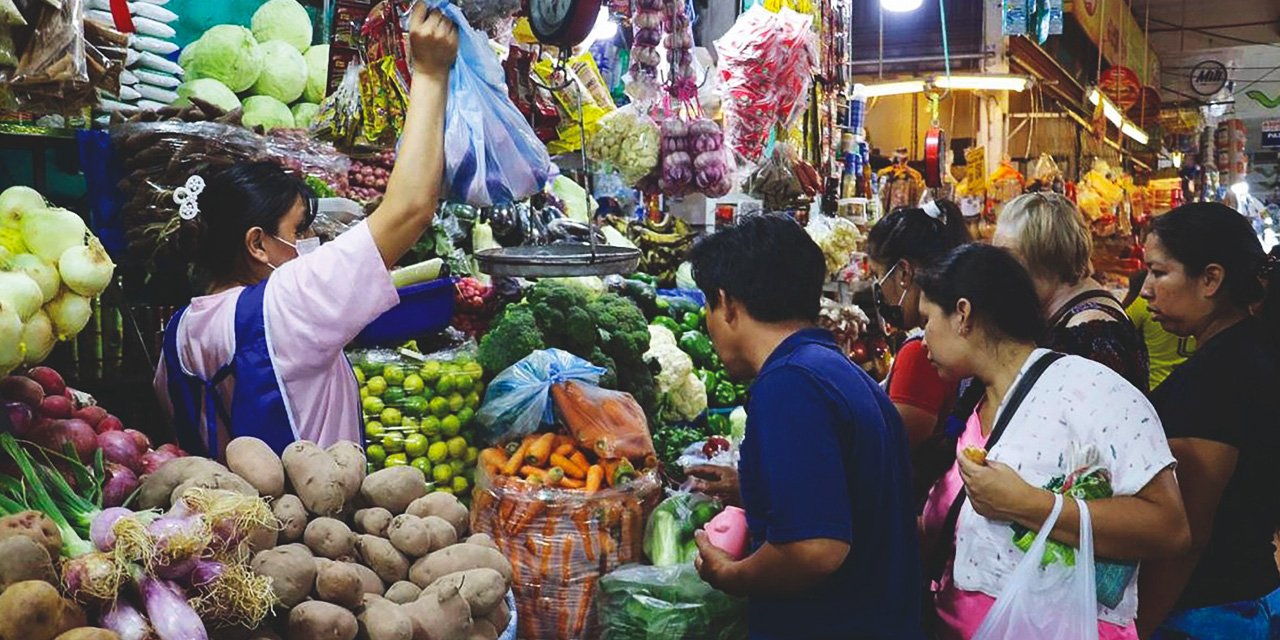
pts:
[285, 77]
[268, 112]
[227, 53]
[283, 20]
[317, 59]
[208, 90]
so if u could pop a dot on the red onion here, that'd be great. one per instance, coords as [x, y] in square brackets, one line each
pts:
[153, 460]
[120, 448]
[168, 610]
[121, 483]
[49, 380]
[57, 407]
[21, 416]
[124, 619]
[92, 415]
[144, 443]
[100, 530]
[21, 389]
[109, 423]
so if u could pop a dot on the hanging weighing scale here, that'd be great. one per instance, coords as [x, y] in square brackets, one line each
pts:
[935, 148]
[563, 24]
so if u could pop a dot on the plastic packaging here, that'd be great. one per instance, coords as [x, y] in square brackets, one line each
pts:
[491, 153]
[668, 535]
[561, 544]
[640, 602]
[775, 181]
[53, 70]
[610, 423]
[518, 400]
[1048, 602]
[627, 140]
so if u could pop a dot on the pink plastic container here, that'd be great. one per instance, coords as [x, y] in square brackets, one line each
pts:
[728, 531]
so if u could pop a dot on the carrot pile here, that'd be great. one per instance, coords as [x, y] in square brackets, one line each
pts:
[554, 461]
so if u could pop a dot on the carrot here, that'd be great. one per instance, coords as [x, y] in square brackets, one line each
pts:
[553, 477]
[540, 450]
[570, 468]
[584, 604]
[584, 530]
[548, 534]
[534, 474]
[565, 449]
[572, 483]
[492, 460]
[512, 465]
[566, 558]
[535, 508]
[580, 460]
[595, 476]
[506, 508]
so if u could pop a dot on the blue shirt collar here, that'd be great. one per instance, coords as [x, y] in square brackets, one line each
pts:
[812, 335]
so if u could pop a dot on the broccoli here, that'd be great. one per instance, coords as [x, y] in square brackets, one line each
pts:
[514, 336]
[610, 379]
[623, 329]
[563, 317]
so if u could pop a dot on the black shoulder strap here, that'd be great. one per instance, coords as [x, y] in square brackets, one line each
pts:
[1075, 302]
[946, 537]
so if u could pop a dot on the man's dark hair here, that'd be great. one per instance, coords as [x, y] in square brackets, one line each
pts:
[767, 263]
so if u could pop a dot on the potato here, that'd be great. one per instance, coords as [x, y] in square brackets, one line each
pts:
[443, 615]
[373, 521]
[317, 620]
[263, 539]
[339, 583]
[411, 535]
[443, 534]
[500, 617]
[381, 556]
[483, 589]
[34, 525]
[483, 540]
[350, 459]
[459, 557]
[329, 538]
[292, 516]
[444, 505]
[384, 620]
[253, 460]
[370, 583]
[215, 479]
[315, 478]
[292, 571]
[394, 488]
[482, 629]
[156, 488]
[402, 592]
[33, 610]
[89, 633]
[22, 559]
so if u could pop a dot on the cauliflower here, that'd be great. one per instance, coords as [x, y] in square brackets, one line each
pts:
[689, 399]
[674, 365]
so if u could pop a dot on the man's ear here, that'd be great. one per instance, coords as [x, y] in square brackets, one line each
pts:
[732, 308]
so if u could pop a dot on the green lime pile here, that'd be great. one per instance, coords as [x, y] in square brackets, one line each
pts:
[421, 415]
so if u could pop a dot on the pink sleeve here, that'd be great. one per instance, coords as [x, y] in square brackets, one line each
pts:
[316, 304]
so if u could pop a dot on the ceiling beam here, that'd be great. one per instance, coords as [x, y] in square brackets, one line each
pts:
[1238, 25]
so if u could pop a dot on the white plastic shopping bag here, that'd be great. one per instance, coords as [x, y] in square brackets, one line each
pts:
[1048, 602]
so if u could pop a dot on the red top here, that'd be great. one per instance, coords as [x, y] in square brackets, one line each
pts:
[916, 383]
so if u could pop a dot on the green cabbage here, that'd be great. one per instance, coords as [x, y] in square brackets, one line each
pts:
[283, 20]
[304, 114]
[268, 112]
[285, 76]
[226, 53]
[317, 59]
[209, 90]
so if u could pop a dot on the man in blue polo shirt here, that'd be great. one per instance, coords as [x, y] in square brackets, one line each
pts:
[825, 472]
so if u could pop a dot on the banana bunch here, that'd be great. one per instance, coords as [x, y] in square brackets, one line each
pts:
[663, 245]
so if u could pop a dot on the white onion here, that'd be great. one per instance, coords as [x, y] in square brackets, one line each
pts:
[43, 272]
[20, 293]
[50, 232]
[69, 313]
[37, 338]
[16, 202]
[10, 338]
[86, 269]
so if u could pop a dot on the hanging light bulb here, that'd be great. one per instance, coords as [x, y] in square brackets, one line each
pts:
[901, 6]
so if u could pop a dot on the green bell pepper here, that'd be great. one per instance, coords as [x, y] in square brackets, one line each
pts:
[709, 380]
[640, 276]
[725, 394]
[670, 323]
[741, 391]
[680, 306]
[691, 322]
[699, 348]
[718, 424]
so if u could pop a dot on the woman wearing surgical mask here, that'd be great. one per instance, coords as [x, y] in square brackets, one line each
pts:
[902, 244]
[261, 354]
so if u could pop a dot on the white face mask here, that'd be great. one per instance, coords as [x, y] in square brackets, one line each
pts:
[304, 246]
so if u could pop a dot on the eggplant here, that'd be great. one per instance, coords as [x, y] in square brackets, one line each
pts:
[552, 212]
[506, 228]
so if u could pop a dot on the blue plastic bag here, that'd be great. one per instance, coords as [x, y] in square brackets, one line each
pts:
[518, 400]
[491, 154]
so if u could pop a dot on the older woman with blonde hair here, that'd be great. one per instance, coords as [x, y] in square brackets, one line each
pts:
[1051, 238]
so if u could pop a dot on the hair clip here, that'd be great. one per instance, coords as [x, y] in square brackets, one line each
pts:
[187, 197]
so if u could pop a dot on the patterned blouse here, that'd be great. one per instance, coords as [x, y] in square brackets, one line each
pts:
[1115, 343]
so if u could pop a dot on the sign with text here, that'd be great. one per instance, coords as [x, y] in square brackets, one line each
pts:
[1271, 134]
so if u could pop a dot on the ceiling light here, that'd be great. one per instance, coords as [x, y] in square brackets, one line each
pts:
[900, 6]
[1138, 135]
[1108, 108]
[1241, 189]
[981, 83]
[888, 88]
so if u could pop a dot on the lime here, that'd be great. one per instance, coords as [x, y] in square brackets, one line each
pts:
[438, 452]
[394, 374]
[450, 426]
[427, 392]
[472, 454]
[360, 377]
[413, 384]
[374, 405]
[473, 369]
[440, 407]
[373, 430]
[460, 485]
[473, 401]
[452, 367]
[430, 372]
[442, 474]
[415, 445]
[397, 460]
[423, 465]
[465, 416]
[371, 369]
[446, 385]
[392, 417]
[415, 405]
[393, 442]
[456, 403]
[462, 383]
[448, 490]
[457, 448]
[375, 453]
[458, 466]
[430, 427]
[393, 396]
[377, 385]
[364, 392]
[410, 424]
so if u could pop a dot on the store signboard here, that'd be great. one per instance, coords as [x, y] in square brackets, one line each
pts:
[1123, 42]
[1271, 134]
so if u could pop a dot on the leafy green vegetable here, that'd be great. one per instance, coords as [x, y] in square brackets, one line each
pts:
[284, 76]
[268, 112]
[670, 443]
[317, 59]
[663, 542]
[640, 602]
[209, 90]
[283, 20]
[514, 336]
[226, 53]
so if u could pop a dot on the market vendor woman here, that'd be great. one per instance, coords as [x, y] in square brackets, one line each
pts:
[261, 354]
